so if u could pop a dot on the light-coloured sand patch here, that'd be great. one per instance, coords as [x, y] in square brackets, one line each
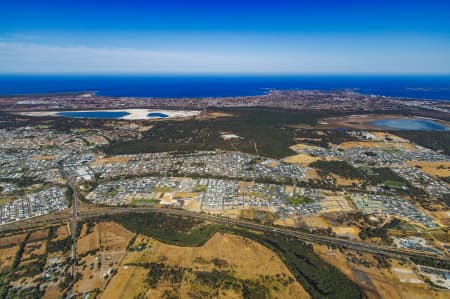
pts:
[212, 115]
[289, 189]
[142, 113]
[406, 275]
[335, 203]
[315, 221]
[127, 283]
[375, 144]
[438, 168]
[111, 160]
[302, 159]
[45, 158]
[341, 181]
[301, 146]
[229, 136]
[381, 136]
[288, 222]
[192, 205]
[167, 199]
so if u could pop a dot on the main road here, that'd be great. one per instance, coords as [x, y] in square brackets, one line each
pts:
[71, 183]
[91, 211]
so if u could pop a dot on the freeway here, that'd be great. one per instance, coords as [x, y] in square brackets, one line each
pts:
[90, 211]
[305, 236]
[36, 222]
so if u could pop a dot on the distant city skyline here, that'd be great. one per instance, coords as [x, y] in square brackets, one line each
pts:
[233, 37]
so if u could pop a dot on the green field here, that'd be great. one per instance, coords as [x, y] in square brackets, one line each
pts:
[392, 151]
[5, 200]
[298, 200]
[394, 184]
[200, 188]
[147, 201]
[111, 192]
[163, 189]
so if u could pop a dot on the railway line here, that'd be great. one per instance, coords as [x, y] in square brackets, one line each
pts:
[309, 237]
[89, 212]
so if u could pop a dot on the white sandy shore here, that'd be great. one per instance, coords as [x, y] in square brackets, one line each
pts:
[134, 114]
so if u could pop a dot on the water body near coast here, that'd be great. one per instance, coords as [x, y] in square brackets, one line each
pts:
[410, 124]
[129, 114]
[383, 122]
[419, 87]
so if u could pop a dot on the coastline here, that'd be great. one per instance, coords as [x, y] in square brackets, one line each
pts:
[426, 87]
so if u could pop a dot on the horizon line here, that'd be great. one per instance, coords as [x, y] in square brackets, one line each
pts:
[225, 74]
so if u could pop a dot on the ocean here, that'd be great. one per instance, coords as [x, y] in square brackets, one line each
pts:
[419, 87]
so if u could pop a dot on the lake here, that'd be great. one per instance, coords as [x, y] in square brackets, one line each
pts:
[127, 114]
[410, 124]
[157, 115]
[94, 114]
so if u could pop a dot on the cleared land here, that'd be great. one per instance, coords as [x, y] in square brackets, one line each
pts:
[302, 159]
[111, 160]
[244, 258]
[100, 249]
[377, 144]
[439, 169]
[378, 282]
[61, 233]
[7, 256]
[12, 240]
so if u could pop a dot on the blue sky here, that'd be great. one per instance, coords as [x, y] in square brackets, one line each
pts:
[262, 37]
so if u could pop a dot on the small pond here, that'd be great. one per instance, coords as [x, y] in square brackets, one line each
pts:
[157, 114]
